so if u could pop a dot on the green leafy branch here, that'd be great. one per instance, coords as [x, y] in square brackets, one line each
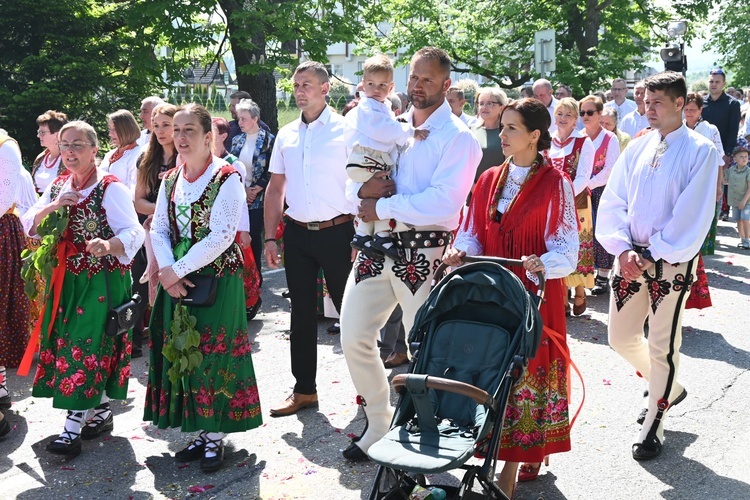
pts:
[182, 347]
[42, 261]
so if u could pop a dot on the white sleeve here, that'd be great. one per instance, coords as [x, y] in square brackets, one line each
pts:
[123, 220]
[245, 215]
[371, 122]
[613, 152]
[225, 218]
[585, 165]
[451, 182]
[10, 174]
[27, 219]
[466, 238]
[562, 246]
[612, 225]
[160, 231]
[716, 139]
[683, 235]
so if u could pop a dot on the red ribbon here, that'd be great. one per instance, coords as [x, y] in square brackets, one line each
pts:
[65, 249]
[558, 340]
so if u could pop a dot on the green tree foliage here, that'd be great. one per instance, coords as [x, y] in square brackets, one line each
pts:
[75, 56]
[596, 39]
[731, 37]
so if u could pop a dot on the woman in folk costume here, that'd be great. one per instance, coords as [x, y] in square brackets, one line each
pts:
[250, 271]
[700, 294]
[14, 305]
[122, 160]
[80, 366]
[572, 152]
[193, 233]
[607, 150]
[48, 166]
[505, 219]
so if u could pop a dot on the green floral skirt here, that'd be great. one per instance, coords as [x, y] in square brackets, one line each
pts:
[77, 361]
[221, 395]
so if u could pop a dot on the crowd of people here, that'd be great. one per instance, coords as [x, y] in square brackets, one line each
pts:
[174, 220]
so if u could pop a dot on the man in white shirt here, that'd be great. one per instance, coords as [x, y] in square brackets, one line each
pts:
[457, 99]
[635, 121]
[620, 100]
[308, 170]
[543, 91]
[654, 215]
[427, 190]
[147, 107]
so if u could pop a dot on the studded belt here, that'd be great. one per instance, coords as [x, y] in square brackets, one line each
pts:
[422, 239]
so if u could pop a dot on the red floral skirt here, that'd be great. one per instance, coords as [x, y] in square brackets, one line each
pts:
[14, 304]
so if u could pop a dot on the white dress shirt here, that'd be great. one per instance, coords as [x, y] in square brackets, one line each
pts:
[118, 205]
[372, 124]
[124, 168]
[470, 121]
[585, 161]
[551, 111]
[313, 158]
[613, 152]
[663, 202]
[224, 220]
[623, 109]
[633, 122]
[561, 256]
[432, 176]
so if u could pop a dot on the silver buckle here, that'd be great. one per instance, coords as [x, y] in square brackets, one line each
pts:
[313, 226]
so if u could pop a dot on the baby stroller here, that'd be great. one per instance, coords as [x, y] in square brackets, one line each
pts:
[471, 341]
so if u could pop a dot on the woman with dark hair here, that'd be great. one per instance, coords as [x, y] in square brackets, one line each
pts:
[121, 161]
[48, 165]
[157, 159]
[700, 294]
[81, 366]
[193, 234]
[506, 219]
[606, 152]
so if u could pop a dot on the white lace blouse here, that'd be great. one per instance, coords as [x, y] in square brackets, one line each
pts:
[117, 203]
[561, 257]
[10, 174]
[223, 219]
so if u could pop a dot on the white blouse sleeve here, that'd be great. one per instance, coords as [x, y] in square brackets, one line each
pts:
[10, 174]
[27, 219]
[585, 165]
[123, 220]
[562, 246]
[225, 219]
[245, 215]
[613, 152]
[160, 231]
[716, 139]
[466, 239]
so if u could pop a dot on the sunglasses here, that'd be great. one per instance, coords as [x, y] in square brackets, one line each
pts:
[716, 72]
[590, 112]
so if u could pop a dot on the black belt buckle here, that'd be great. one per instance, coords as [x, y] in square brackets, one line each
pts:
[313, 226]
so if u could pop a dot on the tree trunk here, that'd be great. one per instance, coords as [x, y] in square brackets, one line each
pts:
[261, 85]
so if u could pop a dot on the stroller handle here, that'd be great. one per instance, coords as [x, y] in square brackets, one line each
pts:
[443, 384]
[440, 271]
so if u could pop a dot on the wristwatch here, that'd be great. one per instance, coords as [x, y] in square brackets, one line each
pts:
[646, 254]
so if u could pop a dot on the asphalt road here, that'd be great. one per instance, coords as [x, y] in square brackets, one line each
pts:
[705, 453]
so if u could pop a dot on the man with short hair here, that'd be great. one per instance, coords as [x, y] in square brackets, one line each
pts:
[563, 91]
[620, 101]
[147, 107]
[457, 99]
[427, 190]
[636, 120]
[654, 215]
[308, 172]
[722, 111]
[543, 91]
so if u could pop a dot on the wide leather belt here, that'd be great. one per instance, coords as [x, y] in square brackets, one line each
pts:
[317, 226]
[422, 239]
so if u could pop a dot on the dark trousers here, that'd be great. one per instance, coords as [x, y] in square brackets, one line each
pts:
[393, 335]
[140, 263]
[305, 253]
[256, 230]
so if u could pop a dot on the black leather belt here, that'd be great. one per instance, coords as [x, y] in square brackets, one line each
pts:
[317, 226]
[422, 239]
